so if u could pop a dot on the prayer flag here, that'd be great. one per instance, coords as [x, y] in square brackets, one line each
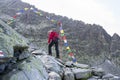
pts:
[26, 9]
[15, 16]
[62, 31]
[59, 23]
[68, 48]
[66, 44]
[9, 22]
[74, 60]
[53, 20]
[18, 13]
[64, 37]
[61, 28]
[65, 41]
[31, 8]
[41, 14]
[22, 11]
[71, 54]
[38, 12]
[35, 11]
[69, 51]
[62, 34]
[47, 17]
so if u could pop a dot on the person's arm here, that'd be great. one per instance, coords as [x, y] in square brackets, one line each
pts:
[49, 38]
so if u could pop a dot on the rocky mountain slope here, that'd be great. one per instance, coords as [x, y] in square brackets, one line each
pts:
[90, 43]
[17, 63]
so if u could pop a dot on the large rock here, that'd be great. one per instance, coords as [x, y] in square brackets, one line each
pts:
[109, 67]
[16, 75]
[93, 78]
[9, 39]
[2, 67]
[68, 74]
[31, 69]
[98, 72]
[51, 63]
[12, 45]
[54, 76]
[23, 55]
[83, 66]
[110, 77]
[82, 73]
[39, 52]
[69, 64]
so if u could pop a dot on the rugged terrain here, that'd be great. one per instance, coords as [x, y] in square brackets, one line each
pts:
[90, 43]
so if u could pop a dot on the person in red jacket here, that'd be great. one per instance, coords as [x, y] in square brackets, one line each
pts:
[53, 38]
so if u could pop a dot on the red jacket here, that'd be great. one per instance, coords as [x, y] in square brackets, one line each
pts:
[52, 35]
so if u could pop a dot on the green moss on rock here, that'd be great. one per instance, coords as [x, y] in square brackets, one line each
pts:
[10, 38]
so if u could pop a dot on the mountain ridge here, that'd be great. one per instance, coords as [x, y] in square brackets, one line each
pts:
[90, 43]
[90, 40]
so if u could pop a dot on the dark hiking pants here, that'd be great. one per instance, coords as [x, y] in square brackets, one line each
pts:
[56, 48]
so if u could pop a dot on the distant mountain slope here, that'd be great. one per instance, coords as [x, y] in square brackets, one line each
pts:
[90, 43]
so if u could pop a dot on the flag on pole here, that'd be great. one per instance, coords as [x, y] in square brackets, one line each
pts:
[66, 44]
[74, 60]
[22, 11]
[48, 17]
[26, 9]
[64, 37]
[71, 54]
[31, 8]
[61, 31]
[69, 51]
[68, 48]
[18, 13]
[35, 10]
[61, 28]
[60, 24]
[9, 22]
[62, 34]
[15, 16]
[65, 41]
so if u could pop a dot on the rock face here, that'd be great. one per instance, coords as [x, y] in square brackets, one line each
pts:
[115, 49]
[28, 70]
[39, 65]
[115, 44]
[10, 40]
[34, 68]
[91, 43]
[82, 73]
[68, 74]
[54, 76]
[51, 64]
[91, 40]
[12, 46]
